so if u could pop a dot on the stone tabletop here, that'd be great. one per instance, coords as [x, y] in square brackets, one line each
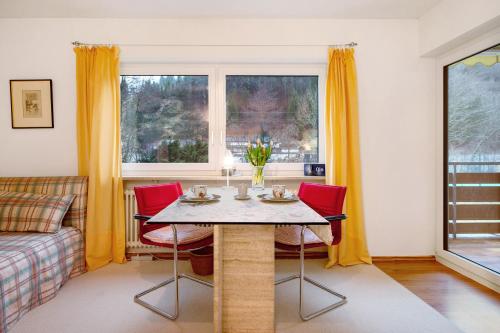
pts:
[252, 212]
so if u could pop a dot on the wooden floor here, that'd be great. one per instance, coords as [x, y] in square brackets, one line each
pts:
[470, 306]
[484, 251]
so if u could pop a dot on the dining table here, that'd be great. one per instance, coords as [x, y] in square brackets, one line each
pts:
[244, 252]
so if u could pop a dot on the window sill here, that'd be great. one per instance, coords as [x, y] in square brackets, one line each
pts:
[216, 178]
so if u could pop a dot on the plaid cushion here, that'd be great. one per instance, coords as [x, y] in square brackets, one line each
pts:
[22, 211]
[33, 267]
[76, 185]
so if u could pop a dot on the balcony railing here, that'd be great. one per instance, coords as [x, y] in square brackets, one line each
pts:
[473, 198]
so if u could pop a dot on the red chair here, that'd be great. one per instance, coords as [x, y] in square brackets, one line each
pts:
[327, 201]
[151, 200]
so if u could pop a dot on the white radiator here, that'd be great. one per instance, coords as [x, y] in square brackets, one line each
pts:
[134, 244]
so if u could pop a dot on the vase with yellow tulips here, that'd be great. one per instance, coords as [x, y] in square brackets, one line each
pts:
[257, 155]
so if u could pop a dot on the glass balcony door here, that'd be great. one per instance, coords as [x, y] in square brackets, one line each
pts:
[472, 158]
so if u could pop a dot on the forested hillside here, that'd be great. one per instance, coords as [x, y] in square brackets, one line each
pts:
[474, 112]
[283, 109]
[164, 119]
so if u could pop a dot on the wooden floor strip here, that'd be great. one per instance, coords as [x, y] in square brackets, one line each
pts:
[471, 306]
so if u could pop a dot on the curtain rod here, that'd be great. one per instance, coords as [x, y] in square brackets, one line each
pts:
[351, 44]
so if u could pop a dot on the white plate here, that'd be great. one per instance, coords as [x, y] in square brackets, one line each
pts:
[270, 198]
[208, 198]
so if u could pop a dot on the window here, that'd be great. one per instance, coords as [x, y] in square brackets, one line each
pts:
[282, 109]
[164, 118]
[472, 158]
[184, 118]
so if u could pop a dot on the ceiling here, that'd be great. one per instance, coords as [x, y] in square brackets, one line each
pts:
[340, 9]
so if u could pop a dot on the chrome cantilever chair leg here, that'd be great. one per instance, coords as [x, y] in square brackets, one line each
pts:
[301, 276]
[175, 279]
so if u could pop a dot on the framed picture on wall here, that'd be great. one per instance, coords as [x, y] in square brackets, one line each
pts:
[31, 103]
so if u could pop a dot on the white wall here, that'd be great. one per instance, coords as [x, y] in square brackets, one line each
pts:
[396, 94]
[453, 22]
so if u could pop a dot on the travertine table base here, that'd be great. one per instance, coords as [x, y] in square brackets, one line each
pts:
[243, 278]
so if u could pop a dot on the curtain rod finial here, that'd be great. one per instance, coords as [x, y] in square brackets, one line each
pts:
[351, 44]
[76, 43]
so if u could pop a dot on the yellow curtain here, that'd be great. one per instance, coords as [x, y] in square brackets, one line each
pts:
[99, 152]
[342, 155]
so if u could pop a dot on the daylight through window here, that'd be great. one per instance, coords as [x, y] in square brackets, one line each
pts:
[187, 118]
[164, 119]
[283, 109]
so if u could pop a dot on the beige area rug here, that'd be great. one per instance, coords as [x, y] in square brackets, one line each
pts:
[101, 301]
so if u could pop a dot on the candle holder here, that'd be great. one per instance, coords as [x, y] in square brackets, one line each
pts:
[228, 166]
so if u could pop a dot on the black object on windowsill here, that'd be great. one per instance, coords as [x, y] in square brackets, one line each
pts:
[311, 169]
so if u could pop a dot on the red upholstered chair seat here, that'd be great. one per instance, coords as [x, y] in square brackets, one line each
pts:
[152, 199]
[290, 236]
[187, 234]
[326, 200]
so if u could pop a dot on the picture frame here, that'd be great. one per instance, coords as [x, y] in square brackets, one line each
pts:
[316, 169]
[31, 103]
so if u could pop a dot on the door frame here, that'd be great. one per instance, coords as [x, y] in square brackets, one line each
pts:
[464, 266]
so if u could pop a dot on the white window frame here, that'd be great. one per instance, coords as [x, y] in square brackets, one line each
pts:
[464, 266]
[217, 115]
[165, 69]
[275, 169]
